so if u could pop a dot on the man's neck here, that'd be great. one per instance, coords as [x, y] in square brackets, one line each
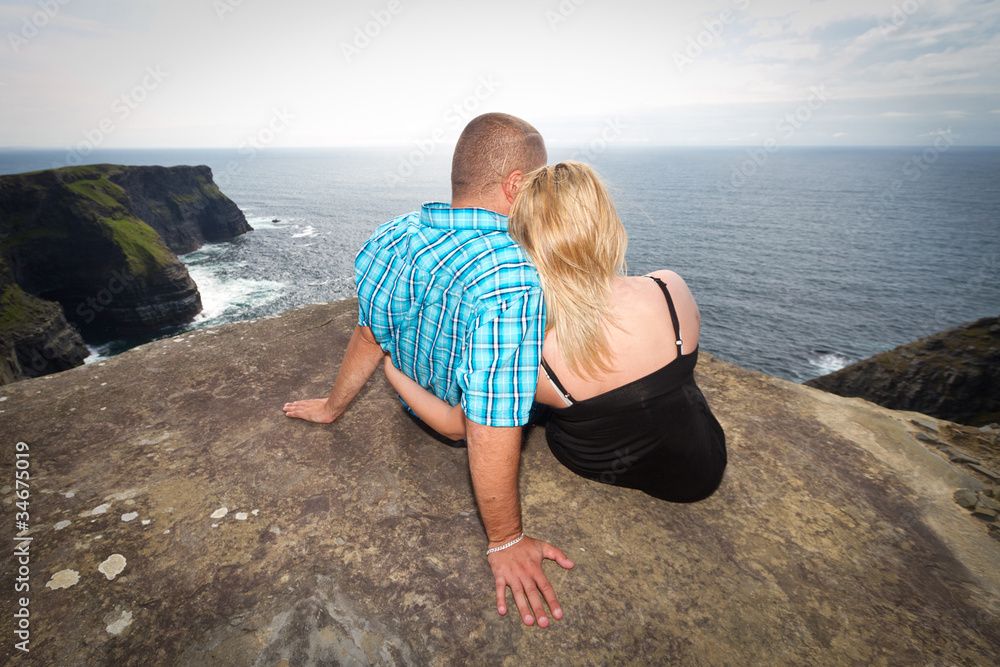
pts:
[470, 203]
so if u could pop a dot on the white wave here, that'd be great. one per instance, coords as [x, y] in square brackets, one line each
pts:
[100, 352]
[308, 231]
[222, 298]
[268, 222]
[828, 362]
[206, 252]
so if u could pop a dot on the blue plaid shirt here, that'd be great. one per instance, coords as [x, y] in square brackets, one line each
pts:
[459, 307]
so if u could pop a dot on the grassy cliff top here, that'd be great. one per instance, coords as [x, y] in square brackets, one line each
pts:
[58, 204]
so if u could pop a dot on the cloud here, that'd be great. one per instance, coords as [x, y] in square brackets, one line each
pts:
[767, 28]
[933, 37]
[786, 49]
[937, 133]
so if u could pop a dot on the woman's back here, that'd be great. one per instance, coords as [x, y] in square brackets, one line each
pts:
[644, 342]
[645, 424]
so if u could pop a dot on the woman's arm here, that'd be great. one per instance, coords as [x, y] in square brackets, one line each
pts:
[446, 419]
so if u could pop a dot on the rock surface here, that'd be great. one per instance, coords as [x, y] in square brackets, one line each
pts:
[253, 539]
[953, 375]
[99, 241]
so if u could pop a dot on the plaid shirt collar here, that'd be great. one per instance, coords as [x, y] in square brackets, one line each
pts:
[443, 216]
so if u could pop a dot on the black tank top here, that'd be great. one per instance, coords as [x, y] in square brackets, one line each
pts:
[656, 434]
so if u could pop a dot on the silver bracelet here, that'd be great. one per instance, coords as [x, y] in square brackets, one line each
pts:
[509, 544]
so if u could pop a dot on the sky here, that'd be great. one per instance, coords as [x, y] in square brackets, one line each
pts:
[225, 73]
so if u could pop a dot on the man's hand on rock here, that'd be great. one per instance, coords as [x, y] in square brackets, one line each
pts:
[520, 567]
[312, 409]
[361, 358]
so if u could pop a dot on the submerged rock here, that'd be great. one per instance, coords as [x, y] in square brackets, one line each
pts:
[834, 538]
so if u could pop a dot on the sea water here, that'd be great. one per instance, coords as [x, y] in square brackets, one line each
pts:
[802, 260]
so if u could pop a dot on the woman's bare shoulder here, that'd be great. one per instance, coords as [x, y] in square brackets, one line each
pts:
[680, 292]
[672, 279]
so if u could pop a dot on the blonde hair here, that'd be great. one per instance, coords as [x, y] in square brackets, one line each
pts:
[565, 220]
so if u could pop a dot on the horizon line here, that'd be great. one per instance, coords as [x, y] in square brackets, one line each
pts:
[557, 144]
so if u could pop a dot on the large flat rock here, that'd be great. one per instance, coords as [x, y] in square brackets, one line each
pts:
[834, 538]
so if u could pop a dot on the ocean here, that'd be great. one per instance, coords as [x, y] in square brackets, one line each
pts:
[802, 260]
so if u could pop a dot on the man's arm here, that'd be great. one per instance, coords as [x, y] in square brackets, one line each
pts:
[448, 420]
[494, 458]
[361, 358]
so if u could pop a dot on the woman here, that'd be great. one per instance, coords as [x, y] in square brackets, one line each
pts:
[619, 352]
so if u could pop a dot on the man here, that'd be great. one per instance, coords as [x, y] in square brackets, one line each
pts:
[456, 303]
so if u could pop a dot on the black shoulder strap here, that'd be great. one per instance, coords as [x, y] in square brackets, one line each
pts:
[673, 313]
[556, 382]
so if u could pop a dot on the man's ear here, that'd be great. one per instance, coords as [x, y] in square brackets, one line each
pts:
[512, 185]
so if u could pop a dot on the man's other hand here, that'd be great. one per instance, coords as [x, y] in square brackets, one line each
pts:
[312, 409]
[520, 567]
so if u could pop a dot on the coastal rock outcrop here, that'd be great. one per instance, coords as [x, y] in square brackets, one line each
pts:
[953, 375]
[78, 237]
[182, 204]
[35, 338]
[241, 537]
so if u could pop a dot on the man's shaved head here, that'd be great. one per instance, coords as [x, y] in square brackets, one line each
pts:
[491, 147]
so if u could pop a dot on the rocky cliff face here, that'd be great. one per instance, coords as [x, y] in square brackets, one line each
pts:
[178, 517]
[35, 338]
[182, 204]
[953, 375]
[78, 237]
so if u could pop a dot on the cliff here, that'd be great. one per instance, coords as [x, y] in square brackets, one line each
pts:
[953, 375]
[182, 204]
[35, 338]
[89, 239]
[177, 517]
